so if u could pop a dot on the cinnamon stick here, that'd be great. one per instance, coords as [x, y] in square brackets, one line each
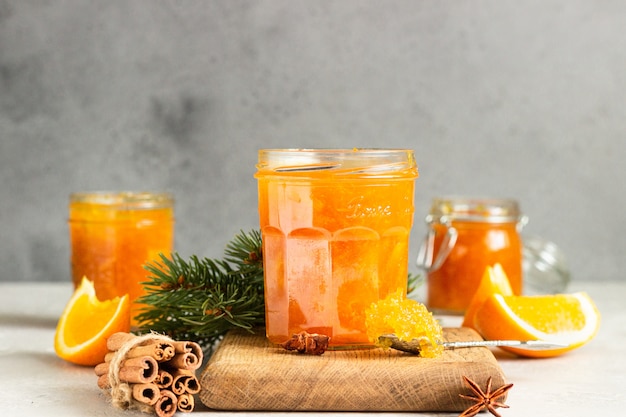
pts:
[103, 381]
[117, 340]
[109, 356]
[146, 393]
[187, 360]
[164, 379]
[158, 349]
[139, 370]
[185, 381]
[135, 370]
[161, 351]
[188, 347]
[152, 372]
[101, 369]
[166, 405]
[186, 403]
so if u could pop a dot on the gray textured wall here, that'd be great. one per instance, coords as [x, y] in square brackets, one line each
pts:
[497, 98]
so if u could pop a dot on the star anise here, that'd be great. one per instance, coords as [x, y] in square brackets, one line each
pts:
[486, 399]
[303, 342]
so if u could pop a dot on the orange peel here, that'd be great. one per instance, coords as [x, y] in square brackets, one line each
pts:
[86, 323]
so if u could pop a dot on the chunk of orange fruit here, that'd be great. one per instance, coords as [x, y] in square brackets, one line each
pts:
[408, 319]
[493, 281]
[563, 318]
[86, 323]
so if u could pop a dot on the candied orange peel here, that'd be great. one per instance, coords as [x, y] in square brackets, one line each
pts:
[408, 319]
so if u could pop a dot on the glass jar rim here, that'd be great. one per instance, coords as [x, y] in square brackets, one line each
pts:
[476, 209]
[124, 200]
[364, 161]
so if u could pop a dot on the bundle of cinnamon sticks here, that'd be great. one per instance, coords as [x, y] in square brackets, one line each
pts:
[150, 373]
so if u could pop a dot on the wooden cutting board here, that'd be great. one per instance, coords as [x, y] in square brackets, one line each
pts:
[246, 372]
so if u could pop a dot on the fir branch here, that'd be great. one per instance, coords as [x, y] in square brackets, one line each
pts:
[413, 282]
[245, 251]
[201, 299]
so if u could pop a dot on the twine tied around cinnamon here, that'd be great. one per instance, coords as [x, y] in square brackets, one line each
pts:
[150, 373]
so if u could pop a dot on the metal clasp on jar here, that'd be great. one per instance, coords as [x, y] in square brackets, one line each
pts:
[426, 251]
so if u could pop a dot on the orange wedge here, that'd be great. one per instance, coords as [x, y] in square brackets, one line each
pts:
[494, 281]
[563, 318]
[86, 323]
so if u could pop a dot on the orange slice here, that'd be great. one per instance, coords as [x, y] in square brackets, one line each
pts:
[86, 323]
[563, 318]
[494, 281]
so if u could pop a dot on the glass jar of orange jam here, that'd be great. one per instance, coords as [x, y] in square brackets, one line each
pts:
[114, 234]
[335, 226]
[465, 236]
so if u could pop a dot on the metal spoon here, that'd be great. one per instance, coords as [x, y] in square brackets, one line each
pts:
[413, 346]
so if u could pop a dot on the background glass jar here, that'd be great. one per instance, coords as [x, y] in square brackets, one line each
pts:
[465, 236]
[335, 227]
[545, 267]
[113, 234]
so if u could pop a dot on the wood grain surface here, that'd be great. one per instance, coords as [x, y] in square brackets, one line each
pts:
[246, 372]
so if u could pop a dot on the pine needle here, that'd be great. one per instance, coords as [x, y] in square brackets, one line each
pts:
[201, 299]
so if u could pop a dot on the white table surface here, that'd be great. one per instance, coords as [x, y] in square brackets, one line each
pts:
[590, 381]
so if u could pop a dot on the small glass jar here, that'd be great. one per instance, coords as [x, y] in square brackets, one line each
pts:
[545, 267]
[114, 234]
[465, 236]
[335, 226]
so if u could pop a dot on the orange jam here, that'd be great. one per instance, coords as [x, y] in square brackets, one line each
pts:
[114, 234]
[409, 320]
[466, 236]
[335, 227]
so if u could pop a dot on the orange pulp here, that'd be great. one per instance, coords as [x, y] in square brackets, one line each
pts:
[478, 246]
[333, 244]
[111, 240]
